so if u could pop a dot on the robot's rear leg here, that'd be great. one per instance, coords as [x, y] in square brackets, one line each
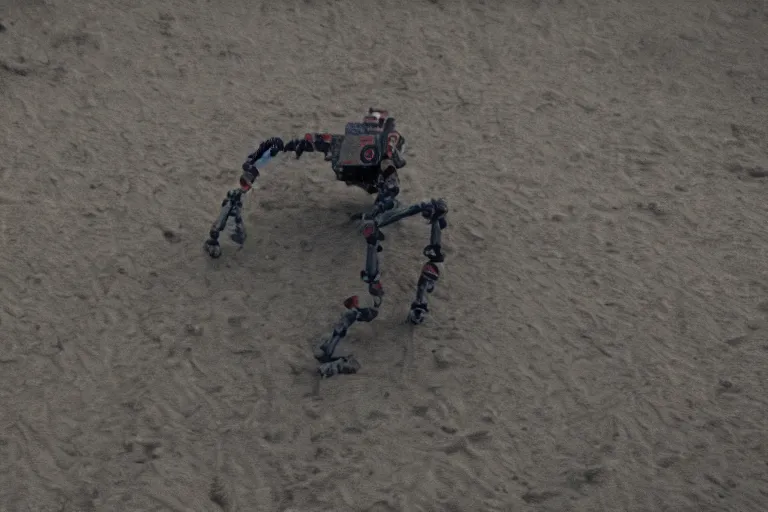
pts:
[430, 272]
[330, 364]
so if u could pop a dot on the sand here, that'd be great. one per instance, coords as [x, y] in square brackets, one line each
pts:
[597, 340]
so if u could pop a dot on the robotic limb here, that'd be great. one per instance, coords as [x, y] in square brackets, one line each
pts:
[434, 211]
[232, 205]
[367, 155]
[329, 364]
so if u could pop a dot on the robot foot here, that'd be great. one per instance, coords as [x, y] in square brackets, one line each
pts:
[213, 248]
[417, 314]
[340, 365]
[238, 237]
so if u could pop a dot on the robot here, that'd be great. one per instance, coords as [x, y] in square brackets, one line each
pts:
[368, 155]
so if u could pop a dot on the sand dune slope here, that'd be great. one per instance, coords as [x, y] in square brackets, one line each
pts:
[598, 340]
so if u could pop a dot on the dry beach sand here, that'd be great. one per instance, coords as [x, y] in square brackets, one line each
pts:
[598, 339]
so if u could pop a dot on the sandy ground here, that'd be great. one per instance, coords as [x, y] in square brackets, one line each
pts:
[598, 339]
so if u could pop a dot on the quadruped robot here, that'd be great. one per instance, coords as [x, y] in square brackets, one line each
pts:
[368, 155]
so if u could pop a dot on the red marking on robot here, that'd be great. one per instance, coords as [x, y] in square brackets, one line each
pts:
[309, 137]
[327, 137]
[368, 231]
[366, 139]
[352, 303]
[245, 185]
[369, 154]
[430, 270]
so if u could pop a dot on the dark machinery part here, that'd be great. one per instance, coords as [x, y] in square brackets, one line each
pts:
[435, 212]
[368, 155]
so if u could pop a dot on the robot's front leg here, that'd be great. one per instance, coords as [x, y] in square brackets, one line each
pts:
[430, 272]
[238, 235]
[331, 364]
[230, 207]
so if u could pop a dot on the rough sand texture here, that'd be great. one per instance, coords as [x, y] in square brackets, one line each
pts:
[597, 343]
